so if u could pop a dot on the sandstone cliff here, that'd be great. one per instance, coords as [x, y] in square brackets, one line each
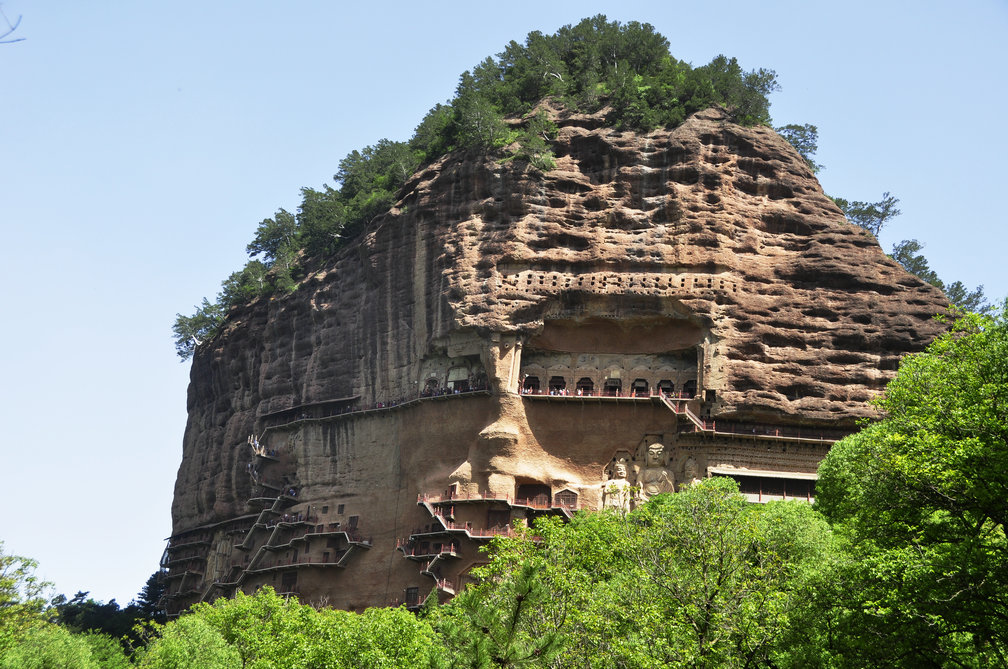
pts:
[706, 258]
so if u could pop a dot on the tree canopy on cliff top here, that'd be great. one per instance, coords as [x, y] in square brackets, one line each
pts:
[597, 64]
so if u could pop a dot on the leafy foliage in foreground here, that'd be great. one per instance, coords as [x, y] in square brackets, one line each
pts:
[28, 637]
[919, 500]
[595, 64]
[266, 630]
[699, 578]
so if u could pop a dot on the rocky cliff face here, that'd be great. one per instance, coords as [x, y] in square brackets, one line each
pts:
[705, 259]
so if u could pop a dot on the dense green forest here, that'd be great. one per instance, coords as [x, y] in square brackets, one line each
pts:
[901, 562]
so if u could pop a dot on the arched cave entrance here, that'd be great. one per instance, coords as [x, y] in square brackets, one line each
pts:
[585, 386]
[557, 384]
[531, 385]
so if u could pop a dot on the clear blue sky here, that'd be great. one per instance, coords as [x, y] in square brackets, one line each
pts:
[143, 142]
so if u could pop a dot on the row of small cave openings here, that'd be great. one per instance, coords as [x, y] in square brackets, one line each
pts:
[611, 387]
[557, 280]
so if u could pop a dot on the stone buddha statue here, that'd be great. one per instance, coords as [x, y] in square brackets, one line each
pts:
[655, 478]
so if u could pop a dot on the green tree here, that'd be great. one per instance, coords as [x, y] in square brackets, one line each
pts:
[535, 140]
[919, 497]
[479, 121]
[275, 239]
[872, 216]
[23, 596]
[907, 253]
[434, 137]
[148, 600]
[107, 653]
[717, 595]
[966, 299]
[266, 630]
[805, 139]
[241, 286]
[83, 614]
[701, 578]
[492, 623]
[191, 331]
[47, 646]
[321, 217]
[188, 642]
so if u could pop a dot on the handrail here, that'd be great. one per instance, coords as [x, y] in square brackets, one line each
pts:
[629, 394]
[379, 406]
[426, 498]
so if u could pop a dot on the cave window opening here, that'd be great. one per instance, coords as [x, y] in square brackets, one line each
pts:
[458, 379]
[640, 388]
[666, 387]
[689, 388]
[531, 385]
[288, 581]
[585, 386]
[612, 387]
[534, 494]
[776, 488]
[557, 385]
[498, 518]
[566, 499]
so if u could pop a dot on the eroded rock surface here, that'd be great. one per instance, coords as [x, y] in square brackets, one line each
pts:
[703, 262]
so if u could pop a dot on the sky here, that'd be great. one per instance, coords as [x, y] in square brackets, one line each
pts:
[142, 143]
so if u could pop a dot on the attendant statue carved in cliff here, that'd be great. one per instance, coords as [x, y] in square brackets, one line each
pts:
[618, 491]
[691, 471]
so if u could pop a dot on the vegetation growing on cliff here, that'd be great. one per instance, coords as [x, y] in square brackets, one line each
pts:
[596, 64]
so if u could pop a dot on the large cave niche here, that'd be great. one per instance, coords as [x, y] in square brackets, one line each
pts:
[441, 374]
[625, 358]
